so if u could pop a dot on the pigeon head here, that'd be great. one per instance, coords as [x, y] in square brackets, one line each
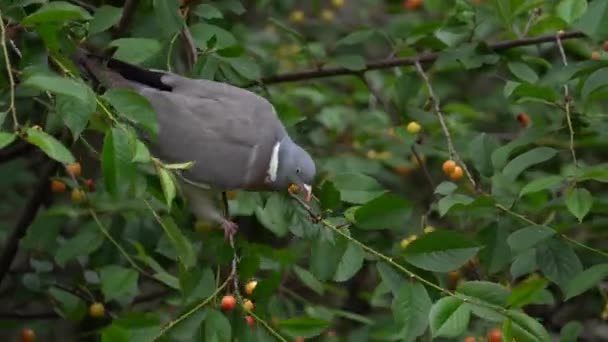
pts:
[295, 166]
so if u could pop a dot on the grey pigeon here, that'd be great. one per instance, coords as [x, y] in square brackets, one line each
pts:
[232, 135]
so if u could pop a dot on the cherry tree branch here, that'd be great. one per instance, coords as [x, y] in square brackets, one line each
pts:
[402, 61]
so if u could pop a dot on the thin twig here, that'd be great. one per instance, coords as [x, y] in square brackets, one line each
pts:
[446, 133]
[567, 99]
[115, 243]
[425, 170]
[27, 216]
[563, 236]
[315, 217]
[206, 301]
[11, 80]
[533, 16]
[393, 62]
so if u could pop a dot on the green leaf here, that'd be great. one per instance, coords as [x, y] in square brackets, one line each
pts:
[356, 37]
[74, 113]
[485, 291]
[527, 291]
[113, 333]
[350, 262]
[523, 72]
[597, 173]
[217, 327]
[526, 328]
[68, 305]
[245, 66]
[453, 200]
[202, 34]
[167, 183]
[273, 215]
[571, 331]
[56, 12]
[49, 145]
[558, 262]
[586, 280]
[117, 153]
[134, 107]
[135, 50]
[592, 22]
[579, 202]
[526, 238]
[86, 241]
[480, 150]
[524, 263]
[105, 17]
[540, 184]
[60, 85]
[411, 307]
[350, 62]
[207, 11]
[139, 326]
[305, 326]
[309, 279]
[535, 92]
[595, 81]
[118, 283]
[525, 160]
[449, 317]
[356, 187]
[446, 188]
[329, 196]
[440, 251]
[181, 244]
[168, 16]
[496, 254]
[6, 139]
[571, 10]
[189, 328]
[500, 156]
[385, 212]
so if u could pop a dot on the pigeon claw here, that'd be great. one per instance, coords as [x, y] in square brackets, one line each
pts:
[230, 229]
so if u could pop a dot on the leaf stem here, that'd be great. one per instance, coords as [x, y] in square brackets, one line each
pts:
[11, 80]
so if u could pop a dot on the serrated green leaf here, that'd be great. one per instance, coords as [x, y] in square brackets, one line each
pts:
[135, 50]
[357, 188]
[350, 62]
[350, 262]
[592, 22]
[485, 291]
[540, 184]
[571, 331]
[449, 317]
[74, 113]
[105, 17]
[453, 200]
[526, 238]
[304, 326]
[571, 10]
[88, 239]
[579, 202]
[558, 262]
[217, 327]
[49, 145]
[167, 183]
[526, 291]
[59, 85]
[6, 139]
[526, 328]
[68, 305]
[595, 81]
[180, 242]
[586, 280]
[207, 11]
[117, 154]
[119, 283]
[356, 37]
[440, 251]
[526, 160]
[202, 33]
[411, 307]
[384, 212]
[134, 107]
[523, 72]
[309, 279]
[56, 12]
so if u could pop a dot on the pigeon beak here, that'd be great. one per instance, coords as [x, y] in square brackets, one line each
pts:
[307, 192]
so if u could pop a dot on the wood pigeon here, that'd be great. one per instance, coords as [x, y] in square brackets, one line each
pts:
[232, 135]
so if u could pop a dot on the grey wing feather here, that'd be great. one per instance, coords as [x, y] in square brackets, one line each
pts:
[223, 129]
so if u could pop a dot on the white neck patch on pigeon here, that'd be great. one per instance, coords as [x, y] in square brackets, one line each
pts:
[273, 166]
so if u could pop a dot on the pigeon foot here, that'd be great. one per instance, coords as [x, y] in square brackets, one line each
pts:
[230, 229]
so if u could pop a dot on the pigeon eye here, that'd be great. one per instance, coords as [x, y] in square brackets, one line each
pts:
[298, 171]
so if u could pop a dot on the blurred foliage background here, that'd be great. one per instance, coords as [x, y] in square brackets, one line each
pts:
[97, 243]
